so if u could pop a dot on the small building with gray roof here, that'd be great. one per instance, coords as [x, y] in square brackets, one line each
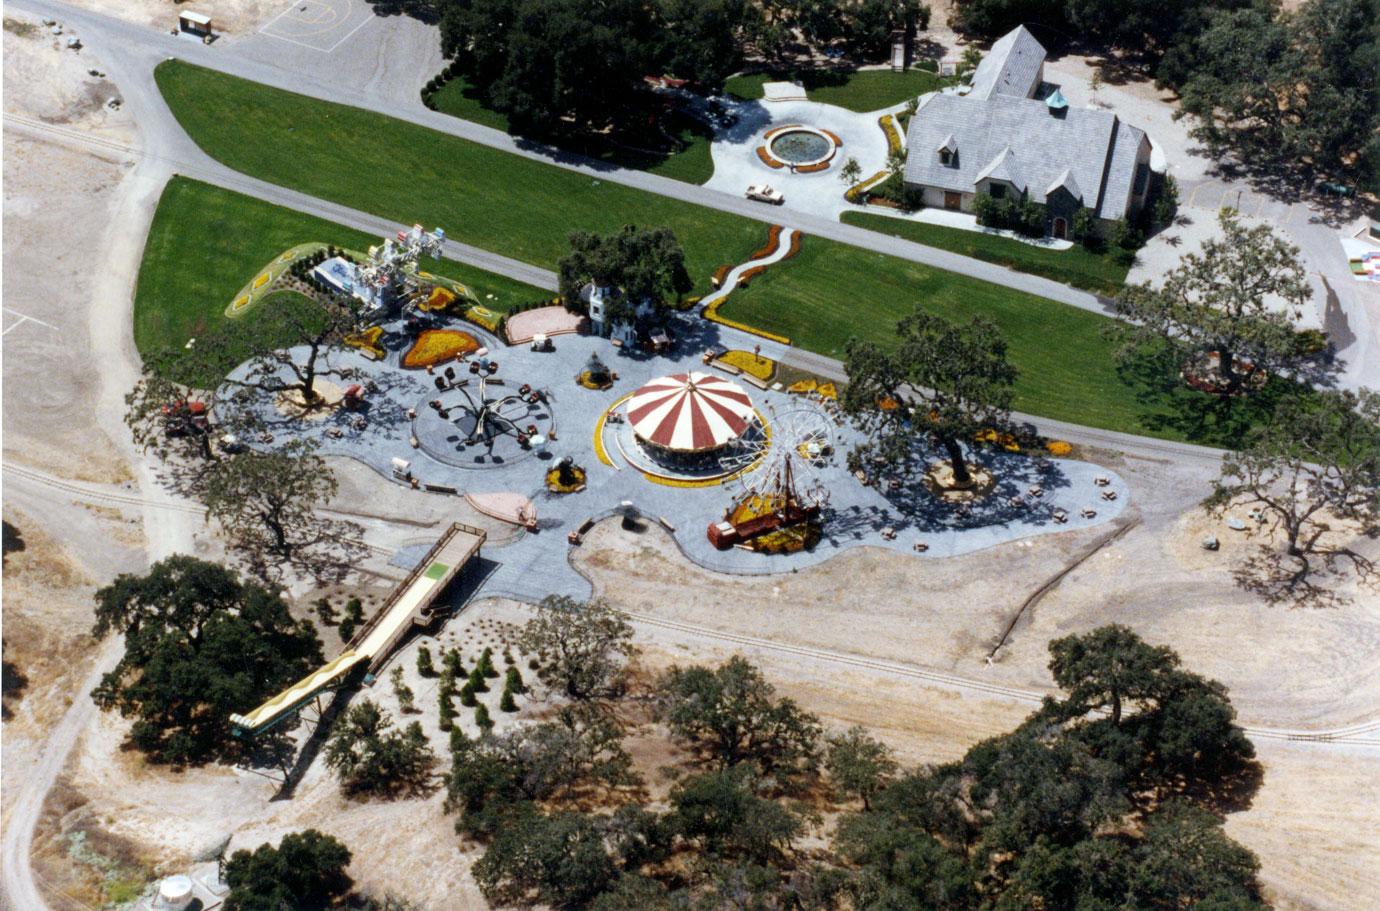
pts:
[1006, 139]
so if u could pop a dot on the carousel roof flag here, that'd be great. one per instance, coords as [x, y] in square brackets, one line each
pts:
[690, 412]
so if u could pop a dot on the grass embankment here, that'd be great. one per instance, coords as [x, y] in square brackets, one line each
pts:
[1100, 273]
[1068, 370]
[691, 164]
[856, 90]
[523, 208]
[206, 243]
[526, 209]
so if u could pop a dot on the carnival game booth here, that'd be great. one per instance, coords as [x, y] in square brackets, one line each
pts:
[687, 420]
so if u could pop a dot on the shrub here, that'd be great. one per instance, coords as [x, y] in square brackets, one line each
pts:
[506, 704]
[467, 695]
[482, 719]
[514, 682]
[424, 665]
[486, 664]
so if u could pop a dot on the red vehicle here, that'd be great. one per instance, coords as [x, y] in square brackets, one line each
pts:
[186, 417]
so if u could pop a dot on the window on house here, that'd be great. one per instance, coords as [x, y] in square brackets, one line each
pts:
[945, 155]
[996, 190]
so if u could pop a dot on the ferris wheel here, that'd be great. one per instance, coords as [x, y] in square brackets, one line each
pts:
[781, 466]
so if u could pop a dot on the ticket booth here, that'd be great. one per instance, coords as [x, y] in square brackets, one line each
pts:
[195, 24]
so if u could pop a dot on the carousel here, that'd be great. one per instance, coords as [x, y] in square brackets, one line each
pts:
[688, 420]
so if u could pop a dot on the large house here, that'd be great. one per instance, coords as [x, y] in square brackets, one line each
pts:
[1007, 137]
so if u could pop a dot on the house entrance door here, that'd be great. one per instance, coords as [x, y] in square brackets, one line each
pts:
[1061, 228]
[953, 200]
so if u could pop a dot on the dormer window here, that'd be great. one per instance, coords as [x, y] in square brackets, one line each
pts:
[948, 150]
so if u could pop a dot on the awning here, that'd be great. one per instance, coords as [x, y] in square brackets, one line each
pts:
[690, 412]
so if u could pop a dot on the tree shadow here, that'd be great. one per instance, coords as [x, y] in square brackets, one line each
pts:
[13, 683]
[13, 540]
[422, 10]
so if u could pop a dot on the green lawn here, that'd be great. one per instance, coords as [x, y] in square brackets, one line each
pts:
[527, 208]
[523, 208]
[206, 243]
[1068, 371]
[692, 164]
[859, 90]
[1100, 273]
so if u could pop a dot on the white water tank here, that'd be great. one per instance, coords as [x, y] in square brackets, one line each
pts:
[174, 893]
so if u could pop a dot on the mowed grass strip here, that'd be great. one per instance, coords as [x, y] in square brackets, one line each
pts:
[1078, 266]
[206, 243]
[856, 90]
[522, 208]
[692, 164]
[1067, 367]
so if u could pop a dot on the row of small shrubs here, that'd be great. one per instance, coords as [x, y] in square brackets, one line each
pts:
[858, 193]
[437, 82]
[893, 136]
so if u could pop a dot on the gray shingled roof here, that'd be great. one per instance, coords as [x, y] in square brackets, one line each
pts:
[1010, 67]
[1121, 170]
[1081, 141]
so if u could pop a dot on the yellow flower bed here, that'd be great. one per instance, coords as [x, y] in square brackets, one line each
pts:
[893, 136]
[483, 317]
[855, 193]
[1004, 440]
[368, 342]
[438, 299]
[764, 368]
[711, 313]
[1058, 447]
[261, 280]
[803, 387]
[436, 346]
[553, 480]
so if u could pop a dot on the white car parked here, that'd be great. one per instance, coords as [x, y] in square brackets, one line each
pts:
[764, 193]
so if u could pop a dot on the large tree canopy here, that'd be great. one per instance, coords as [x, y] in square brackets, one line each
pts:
[643, 264]
[1239, 298]
[306, 872]
[199, 645]
[940, 381]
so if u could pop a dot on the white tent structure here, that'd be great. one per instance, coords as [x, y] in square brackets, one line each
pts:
[690, 413]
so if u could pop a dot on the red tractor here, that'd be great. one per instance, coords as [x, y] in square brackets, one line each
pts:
[185, 418]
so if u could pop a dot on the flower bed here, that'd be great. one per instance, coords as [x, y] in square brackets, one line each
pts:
[749, 274]
[484, 318]
[438, 299]
[767, 158]
[764, 368]
[811, 168]
[574, 484]
[856, 193]
[367, 341]
[773, 241]
[437, 346]
[893, 136]
[794, 248]
[721, 274]
[1058, 448]
[833, 136]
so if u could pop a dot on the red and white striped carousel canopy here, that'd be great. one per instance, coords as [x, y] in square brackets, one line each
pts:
[690, 412]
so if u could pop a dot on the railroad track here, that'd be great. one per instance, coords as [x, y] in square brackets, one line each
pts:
[1366, 733]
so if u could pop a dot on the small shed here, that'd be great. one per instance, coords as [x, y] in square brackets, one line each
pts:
[194, 23]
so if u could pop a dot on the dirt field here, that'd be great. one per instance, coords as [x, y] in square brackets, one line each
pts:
[228, 17]
[57, 204]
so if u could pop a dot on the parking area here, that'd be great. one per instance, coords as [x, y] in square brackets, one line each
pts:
[322, 25]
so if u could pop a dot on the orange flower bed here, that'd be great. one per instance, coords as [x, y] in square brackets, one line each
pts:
[833, 136]
[773, 241]
[796, 238]
[749, 274]
[767, 160]
[721, 274]
[811, 168]
[436, 346]
[776, 131]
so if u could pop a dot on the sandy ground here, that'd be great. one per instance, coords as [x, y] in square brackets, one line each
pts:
[57, 206]
[228, 17]
[1283, 666]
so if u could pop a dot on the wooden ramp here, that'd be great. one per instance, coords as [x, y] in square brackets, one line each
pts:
[410, 604]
